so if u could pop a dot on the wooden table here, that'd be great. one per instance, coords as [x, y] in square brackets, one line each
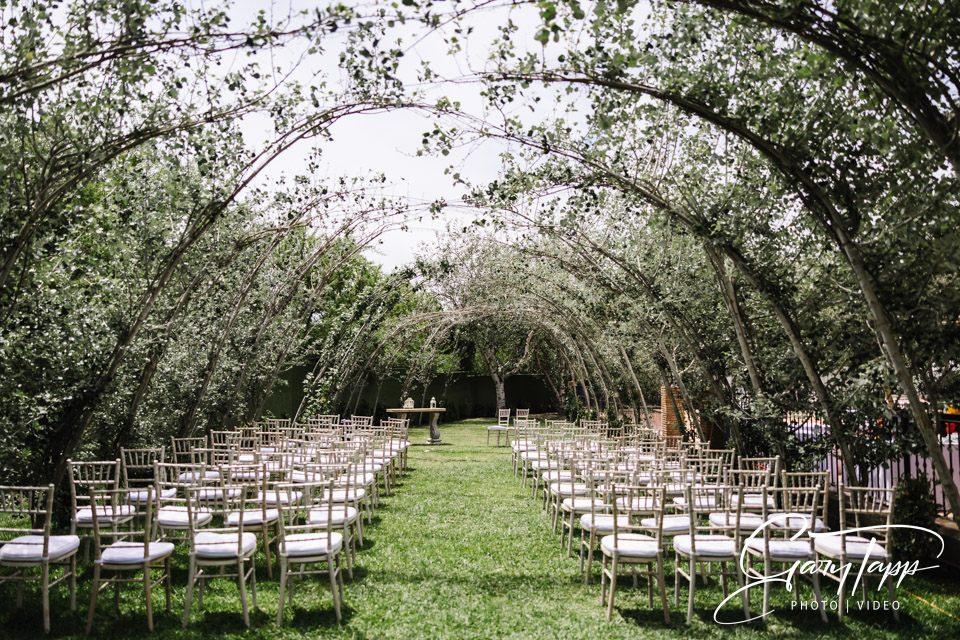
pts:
[434, 416]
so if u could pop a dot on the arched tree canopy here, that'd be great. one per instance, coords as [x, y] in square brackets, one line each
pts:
[753, 202]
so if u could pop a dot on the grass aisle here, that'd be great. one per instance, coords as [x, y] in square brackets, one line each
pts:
[461, 551]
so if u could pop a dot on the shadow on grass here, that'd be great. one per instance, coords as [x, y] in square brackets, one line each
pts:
[297, 617]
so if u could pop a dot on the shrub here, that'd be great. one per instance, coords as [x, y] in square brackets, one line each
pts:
[913, 504]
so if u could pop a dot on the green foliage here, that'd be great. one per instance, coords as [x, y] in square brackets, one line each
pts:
[913, 505]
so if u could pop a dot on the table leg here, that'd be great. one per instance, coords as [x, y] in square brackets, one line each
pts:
[434, 429]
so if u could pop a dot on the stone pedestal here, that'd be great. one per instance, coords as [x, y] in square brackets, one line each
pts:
[434, 417]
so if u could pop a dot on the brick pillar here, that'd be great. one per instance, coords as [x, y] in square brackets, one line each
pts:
[668, 417]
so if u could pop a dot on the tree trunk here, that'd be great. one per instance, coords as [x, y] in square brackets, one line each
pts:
[636, 383]
[687, 398]
[729, 295]
[500, 391]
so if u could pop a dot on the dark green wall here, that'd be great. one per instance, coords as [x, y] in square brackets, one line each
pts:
[466, 396]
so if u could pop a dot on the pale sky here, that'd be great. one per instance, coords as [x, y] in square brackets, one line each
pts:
[388, 142]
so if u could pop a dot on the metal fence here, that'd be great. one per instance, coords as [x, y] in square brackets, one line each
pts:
[888, 474]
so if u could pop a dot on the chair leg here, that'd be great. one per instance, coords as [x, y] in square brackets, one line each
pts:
[590, 546]
[242, 579]
[340, 578]
[766, 585]
[253, 583]
[348, 548]
[743, 592]
[693, 589]
[816, 594]
[266, 550]
[613, 586]
[116, 595]
[334, 589]
[147, 591]
[663, 589]
[890, 597]
[191, 578]
[73, 582]
[676, 579]
[167, 580]
[95, 589]
[723, 577]
[283, 585]
[841, 601]
[45, 587]
[603, 579]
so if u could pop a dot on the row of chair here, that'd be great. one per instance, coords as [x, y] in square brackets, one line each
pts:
[305, 497]
[636, 500]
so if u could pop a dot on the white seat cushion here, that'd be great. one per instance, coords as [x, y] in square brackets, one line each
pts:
[341, 495]
[701, 502]
[285, 497]
[787, 549]
[141, 496]
[217, 494]
[639, 503]
[856, 547]
[601, 523]
[556, 476]
[671, 524]
[177, 517]
[338, 516]
[544, 465]
[749, 522]
[247, 474]
[223, 545]
[194, 476]
[253, 517]
[631, 545]
[707, 546]
[795, 521]
[362, 479]
[132, 552]
[567, 489]
[754, 501]
[581, 504]
[29, 548]
[312, 544]
[105, 513]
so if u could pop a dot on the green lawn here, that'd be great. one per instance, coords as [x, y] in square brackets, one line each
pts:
[461, 551]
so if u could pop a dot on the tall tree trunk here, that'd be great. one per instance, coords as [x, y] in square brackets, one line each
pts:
[687, 398]
[546, 376]
[729, 295]
[636, 384]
